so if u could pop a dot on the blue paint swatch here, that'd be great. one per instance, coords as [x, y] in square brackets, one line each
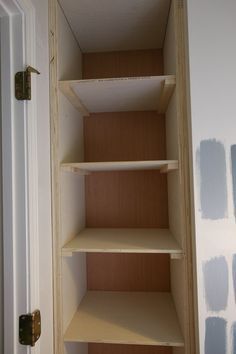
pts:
[234, 274]
[215, 337]
[213, 185]
[233, 161]
[216, 281]
[234, 338]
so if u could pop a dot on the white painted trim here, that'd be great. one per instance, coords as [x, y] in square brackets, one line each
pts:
[32, 155]
[7, 170]
[26, 9]
[32, 167]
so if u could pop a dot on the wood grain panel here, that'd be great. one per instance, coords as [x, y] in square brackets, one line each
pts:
[124, 136]
[122, 64]
[126, 199]
[128, 272]
[126, 349]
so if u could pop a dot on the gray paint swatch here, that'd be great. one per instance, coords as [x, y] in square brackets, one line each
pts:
[234, 338]
[216, 283]
[234, 275]
[233, 161]
[213, 188]
[215, 338]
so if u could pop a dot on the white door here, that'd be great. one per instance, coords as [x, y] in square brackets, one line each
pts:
[27, 251]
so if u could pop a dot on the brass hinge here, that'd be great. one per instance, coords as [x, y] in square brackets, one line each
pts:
[30, 328]
[23, 83]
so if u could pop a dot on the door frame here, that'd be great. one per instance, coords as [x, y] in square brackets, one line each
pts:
[20, 178]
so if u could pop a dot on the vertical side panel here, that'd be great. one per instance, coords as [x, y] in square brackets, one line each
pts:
[172, 143]
[72, 198]
[179, 182]
[55, 175]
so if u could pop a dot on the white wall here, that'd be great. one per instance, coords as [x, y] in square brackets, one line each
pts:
[212, 60]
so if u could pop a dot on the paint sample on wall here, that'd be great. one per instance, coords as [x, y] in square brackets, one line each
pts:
[216, 281]
[234, 275]
[212, 171]
[215, 337]
[234, 338]
[233, 162]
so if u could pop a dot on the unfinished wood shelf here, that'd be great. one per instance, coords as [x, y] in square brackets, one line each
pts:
[124, 241]
[88, 167]
[119, 126]
[120, 94]
[126, 318]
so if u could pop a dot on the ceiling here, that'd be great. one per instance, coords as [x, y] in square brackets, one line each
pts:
[110, 25]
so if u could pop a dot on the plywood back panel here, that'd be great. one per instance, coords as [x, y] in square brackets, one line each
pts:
[124, 136]
[122, 64]
[128, 272]
[127, 349]
[126, 199]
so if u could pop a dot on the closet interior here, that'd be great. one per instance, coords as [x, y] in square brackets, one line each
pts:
[121, 242]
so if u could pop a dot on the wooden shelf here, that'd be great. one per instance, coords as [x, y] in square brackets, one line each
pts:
[118, 95]
[124, 241]
[126, 318]
[87, 167]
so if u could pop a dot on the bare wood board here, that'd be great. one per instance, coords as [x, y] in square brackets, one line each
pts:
[126, 318]
[95, 348]
[123, 241]
[118, 94]
[86, 167]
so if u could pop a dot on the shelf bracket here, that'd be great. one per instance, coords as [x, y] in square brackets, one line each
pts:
[167, 92]
[176, 256]
[169, 167]
[69, 92]
[66, 253]
[75, 170]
